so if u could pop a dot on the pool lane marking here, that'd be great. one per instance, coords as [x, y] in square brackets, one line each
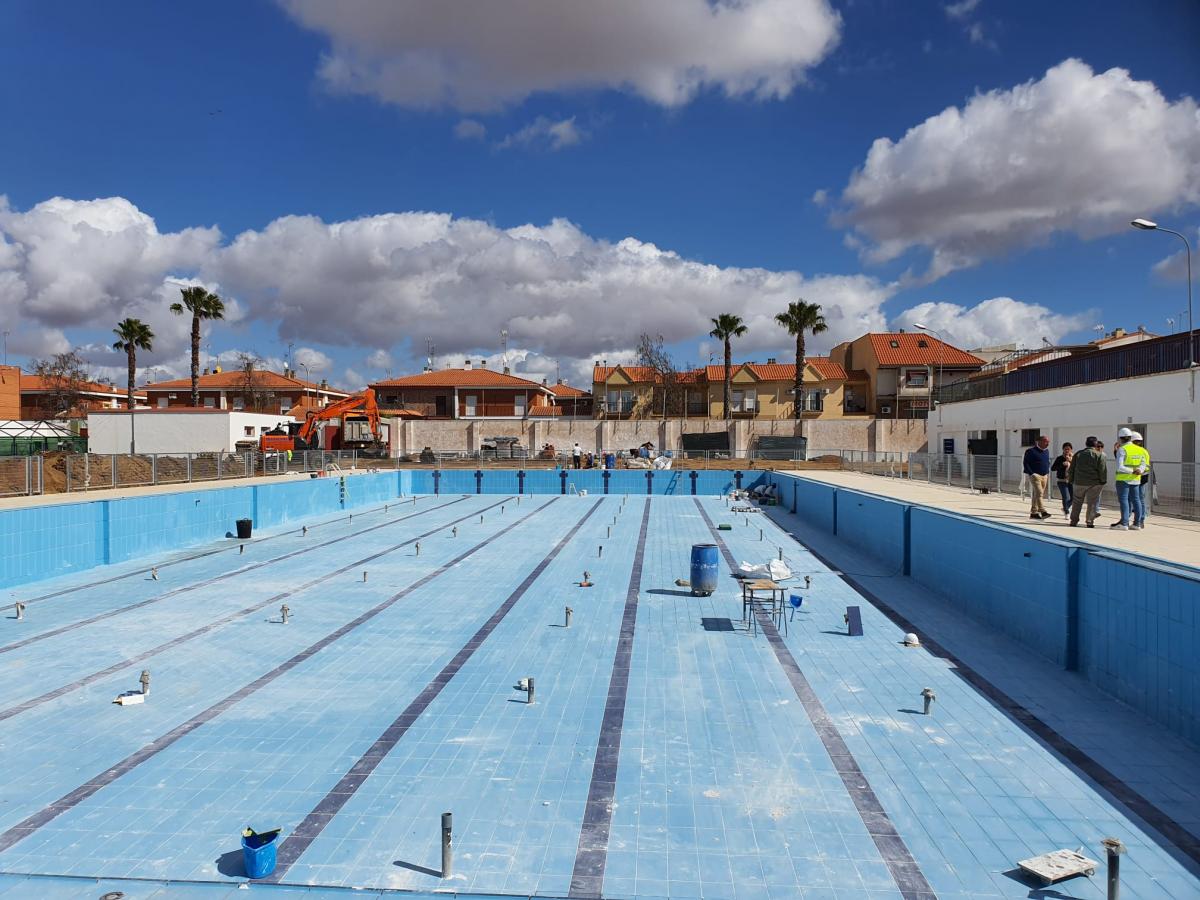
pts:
[206, 553]
[591, 854]
[69, 801]
[194, 586]
[11, 711]
[905, 871]
[339, 795]
[1135, 804]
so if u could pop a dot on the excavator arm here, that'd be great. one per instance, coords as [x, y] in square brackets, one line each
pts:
[362, 404]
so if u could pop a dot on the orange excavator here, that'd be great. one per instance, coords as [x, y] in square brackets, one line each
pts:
[361, 429]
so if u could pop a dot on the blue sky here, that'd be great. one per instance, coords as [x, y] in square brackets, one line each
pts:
[203, 125]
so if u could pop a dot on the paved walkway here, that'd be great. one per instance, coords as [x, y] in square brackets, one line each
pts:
[1176, 540]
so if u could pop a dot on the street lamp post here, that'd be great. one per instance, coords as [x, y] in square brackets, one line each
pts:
[937, 335]
[1147, 225]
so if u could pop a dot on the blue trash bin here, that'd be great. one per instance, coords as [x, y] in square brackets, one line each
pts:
[258, 852]
[704, 569]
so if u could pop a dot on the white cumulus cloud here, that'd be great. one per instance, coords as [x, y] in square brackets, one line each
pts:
[1000, 320]
[316, 361]
[478, 56]
[1174, 267]
[1074, 152]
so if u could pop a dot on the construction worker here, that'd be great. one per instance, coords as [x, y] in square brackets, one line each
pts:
[1147, 491]
[1132, 462]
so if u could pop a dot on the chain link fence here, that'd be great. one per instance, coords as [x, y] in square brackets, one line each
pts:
[20, 476]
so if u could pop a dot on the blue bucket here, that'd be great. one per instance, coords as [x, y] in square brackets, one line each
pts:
[258, 853]
[705, 559]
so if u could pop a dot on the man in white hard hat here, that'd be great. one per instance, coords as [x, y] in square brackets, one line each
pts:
[1147, 486]
[1132, 463]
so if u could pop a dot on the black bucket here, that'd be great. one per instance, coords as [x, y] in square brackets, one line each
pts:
[244, 527]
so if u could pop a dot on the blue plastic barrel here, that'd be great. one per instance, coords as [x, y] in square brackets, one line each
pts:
[705, 560]
[610, 460]
[258, 853]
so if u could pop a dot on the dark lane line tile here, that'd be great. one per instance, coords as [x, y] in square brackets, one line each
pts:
[69, 801]
[1183, 840]
[587, 876]
[197, 585]
[93, 677]
[905, 872]
[339, 795]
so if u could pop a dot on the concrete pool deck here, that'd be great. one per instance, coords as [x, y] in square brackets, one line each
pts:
[1175, 540]
[669, 752]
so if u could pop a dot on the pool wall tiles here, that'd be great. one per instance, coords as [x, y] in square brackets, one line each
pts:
[41, 541]
[165, 522]
[668, 482]
[875, 525]
[1130, 625]
[1139, 637]
[1016, 583]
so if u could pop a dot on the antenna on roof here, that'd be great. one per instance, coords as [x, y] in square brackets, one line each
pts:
[430, 347]
[504, 349]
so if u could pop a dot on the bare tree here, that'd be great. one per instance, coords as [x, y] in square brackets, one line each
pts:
[251, 384]
[668, 390]
[64, 380]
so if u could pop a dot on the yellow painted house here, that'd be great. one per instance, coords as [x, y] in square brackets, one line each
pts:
[764, 391]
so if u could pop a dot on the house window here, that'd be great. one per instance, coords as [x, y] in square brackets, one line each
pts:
[744, 401]
[922, 343]
[895, 345]
[248, 431]
[816, 401]
[1029, 436]
[917, 378]
[210, 402]
[239, 403]
[619, 401]
[162, 402]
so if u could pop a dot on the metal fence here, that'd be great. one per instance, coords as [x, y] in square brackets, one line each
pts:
[95, 471]
[1171, 491]
[20, 476]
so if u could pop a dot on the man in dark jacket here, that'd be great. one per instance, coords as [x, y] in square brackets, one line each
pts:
[1036, 465]
[1089, 474]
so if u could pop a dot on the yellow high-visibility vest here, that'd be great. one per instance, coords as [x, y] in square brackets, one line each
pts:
[1135, 458]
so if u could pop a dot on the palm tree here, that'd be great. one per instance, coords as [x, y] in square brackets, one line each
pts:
[799, 318]
[132, 335]
[202, 305]
[725, 327]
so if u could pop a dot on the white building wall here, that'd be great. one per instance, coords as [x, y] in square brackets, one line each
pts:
[167, 431]
[1160, 406]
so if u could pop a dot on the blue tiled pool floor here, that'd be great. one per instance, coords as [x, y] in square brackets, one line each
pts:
[387, 701]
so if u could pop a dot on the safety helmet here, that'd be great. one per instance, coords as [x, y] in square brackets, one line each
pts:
[1125, 433]
[1137, 436]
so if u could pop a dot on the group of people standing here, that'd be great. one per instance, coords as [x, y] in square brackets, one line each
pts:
[1081, 477]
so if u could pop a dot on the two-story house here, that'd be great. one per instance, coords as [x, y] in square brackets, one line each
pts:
[261, 391]
[467, 393]
[897, 374]
[766, 390]
[628, 392]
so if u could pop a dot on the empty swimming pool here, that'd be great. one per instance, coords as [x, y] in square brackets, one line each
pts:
[672, 748]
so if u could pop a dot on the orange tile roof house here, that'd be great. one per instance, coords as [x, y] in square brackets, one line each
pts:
[896, 374]
[766, 390]
[624, 392]
[271, 392]
[466, 393]
[38, 397]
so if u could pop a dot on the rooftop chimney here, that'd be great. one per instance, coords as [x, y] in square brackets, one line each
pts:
[770, 360]
[1118, 332]
[507, 371]
[467, 365]
[483, 364]
[560, 381]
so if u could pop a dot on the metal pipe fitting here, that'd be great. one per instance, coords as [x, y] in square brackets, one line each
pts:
[1113, 848]
[929, 696]
[304, 530]
[241, 549]
[145, 681]
[418, 548]
[447, 844]
[154, 573]
[599, 551]
[567, 623]
[364, 576]
[284, 611]
[454, 531]
[20, 607]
